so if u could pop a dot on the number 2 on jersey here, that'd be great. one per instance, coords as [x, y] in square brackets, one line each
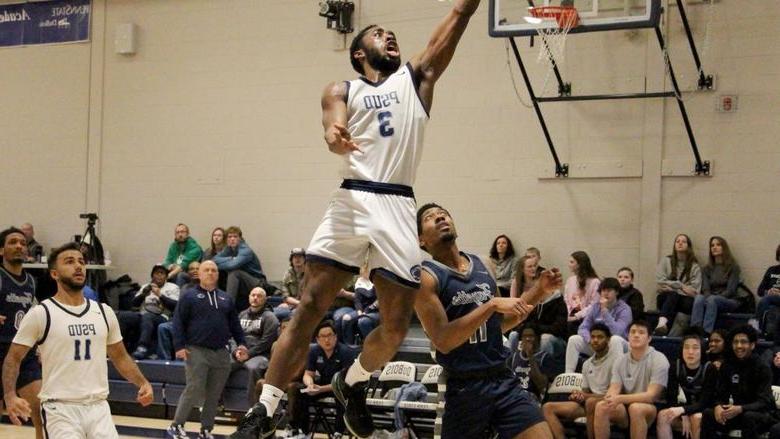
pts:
[77, 350]
[384, 124]
[480, 336]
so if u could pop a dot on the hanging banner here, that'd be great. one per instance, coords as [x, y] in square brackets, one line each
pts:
[57, 21]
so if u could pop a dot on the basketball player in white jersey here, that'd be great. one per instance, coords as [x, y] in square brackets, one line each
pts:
[376, 123]
[74, 335]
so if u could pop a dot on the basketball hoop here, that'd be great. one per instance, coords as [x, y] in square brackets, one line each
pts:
[565, 16]
[553, 36]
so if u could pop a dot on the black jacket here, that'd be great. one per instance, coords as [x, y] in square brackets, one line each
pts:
[748, 382]
[550, 316]
[634, 300]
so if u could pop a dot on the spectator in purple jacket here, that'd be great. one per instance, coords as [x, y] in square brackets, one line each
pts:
[610, 311]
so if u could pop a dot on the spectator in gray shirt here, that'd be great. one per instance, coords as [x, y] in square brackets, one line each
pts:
[679, 282]
[261, 329]
[596, 378]
[639, 378]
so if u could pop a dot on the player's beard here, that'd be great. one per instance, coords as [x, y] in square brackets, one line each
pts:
[72, 284]
[382, 63]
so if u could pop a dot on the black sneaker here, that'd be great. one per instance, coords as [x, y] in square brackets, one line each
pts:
[255, 424]
[661, 331]
[353, 398]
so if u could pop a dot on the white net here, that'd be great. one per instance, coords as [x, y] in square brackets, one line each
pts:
[552, 49]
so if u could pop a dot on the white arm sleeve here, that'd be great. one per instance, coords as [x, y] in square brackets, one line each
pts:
[32, 327]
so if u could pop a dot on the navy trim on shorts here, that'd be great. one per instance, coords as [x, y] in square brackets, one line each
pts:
[394, 278]
[332, 263]
[346, 95]
[43, 418]
[48, 324]
[378, 188]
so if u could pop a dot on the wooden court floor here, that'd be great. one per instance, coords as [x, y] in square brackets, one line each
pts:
[8, 431]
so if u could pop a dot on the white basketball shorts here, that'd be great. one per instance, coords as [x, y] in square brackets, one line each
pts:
[73, 420]
[374, 223]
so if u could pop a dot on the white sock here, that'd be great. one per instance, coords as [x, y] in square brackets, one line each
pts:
[662, 321]
[356, 373]
[270, 399]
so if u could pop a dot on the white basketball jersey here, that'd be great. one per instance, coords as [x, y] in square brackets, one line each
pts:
[72, 344]
[387, 122]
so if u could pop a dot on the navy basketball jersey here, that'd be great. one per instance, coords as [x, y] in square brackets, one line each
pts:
[461, 293]
[17, 296]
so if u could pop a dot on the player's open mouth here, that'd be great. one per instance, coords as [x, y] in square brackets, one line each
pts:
[392, 49]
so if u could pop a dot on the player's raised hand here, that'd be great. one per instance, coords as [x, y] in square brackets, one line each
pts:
[550, 280]
[340, 140]
[18, 409]
[145, 394]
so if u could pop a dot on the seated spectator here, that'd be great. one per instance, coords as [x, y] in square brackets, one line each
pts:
[326, 357]
[769, 292]
[629, 294]
[34, 248]
[242, 265]
[638, 381]
[183, 250]
[716, 345]
[609, 311]
[743, 397]
[217, 244]
[581, 291]
[528, 362]
[596, 376]
[694, 377]
[549, 316]
[719, 286]
[526, 274]
[365, 316]
[679, 282]
[502, 254]
[157, 301]
[192, 276]
[533, 252]
[261, 329]
[292, 282]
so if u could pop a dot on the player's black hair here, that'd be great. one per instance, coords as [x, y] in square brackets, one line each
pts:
[63, 248]
[7, 232]
[357, 44]
[598, 326]
[743, 329]
[642, 323]
[420, 213]
[609, 283]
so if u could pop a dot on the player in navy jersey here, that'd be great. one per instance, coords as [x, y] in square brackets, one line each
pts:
[17, 296]
[464, 316]
[376, 124]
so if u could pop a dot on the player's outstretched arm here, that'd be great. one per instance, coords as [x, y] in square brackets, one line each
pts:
[447, 335]
[129, 370]
[334, 119]
[18, 409]
[434, 59]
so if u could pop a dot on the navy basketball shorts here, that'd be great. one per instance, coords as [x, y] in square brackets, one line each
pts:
[475, 406]
[29, 369]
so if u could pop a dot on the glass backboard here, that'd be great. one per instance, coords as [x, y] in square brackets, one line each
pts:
[512, 18]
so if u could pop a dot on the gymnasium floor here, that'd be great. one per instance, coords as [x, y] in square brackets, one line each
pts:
[137, 427]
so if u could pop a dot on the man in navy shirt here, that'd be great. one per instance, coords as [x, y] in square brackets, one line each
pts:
[326, 357]
[464, 317]
[204, 321]
[17, 293]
